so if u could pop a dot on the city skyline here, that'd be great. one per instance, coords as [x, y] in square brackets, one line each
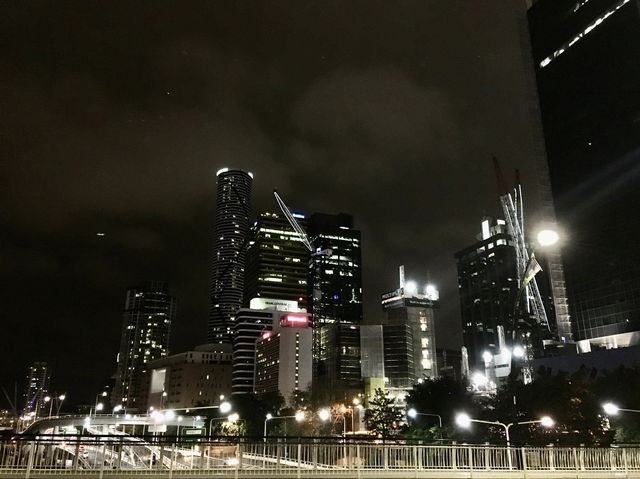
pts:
[123, 189]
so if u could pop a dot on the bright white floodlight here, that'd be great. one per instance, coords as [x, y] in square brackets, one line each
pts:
[518, 351]
[411, 287]
[412, 413]
[299, 416]
[463, 420]
[610, 408]
[547, 238]
[225, 407]
[478, 379]
[546, 421]
[324, 414]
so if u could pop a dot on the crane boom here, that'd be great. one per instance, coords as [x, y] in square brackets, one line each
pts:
[292, 221]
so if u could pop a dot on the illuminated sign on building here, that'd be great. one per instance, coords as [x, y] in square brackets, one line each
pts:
[294, 321]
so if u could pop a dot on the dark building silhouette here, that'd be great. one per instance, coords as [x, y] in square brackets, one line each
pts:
[488, 285]
[277, 261]
[335, 300]
[149, 311]
[36, 387]
[586, 60]
[229, 249]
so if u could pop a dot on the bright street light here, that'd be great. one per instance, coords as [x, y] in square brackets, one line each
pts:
[612, 409]
[235, 417]
[547, 238]
[299, 416]
[518, 351]
[324, 414]
[463, 420]
[99, 406]
[412, 413]
[225, 407]
[546, 421]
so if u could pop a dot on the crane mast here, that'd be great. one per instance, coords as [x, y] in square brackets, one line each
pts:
[292, 221]
[513, 209]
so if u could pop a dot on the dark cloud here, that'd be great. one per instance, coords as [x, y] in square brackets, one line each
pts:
[116, 117]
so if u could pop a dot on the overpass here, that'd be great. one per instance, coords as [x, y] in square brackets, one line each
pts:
[167, 457]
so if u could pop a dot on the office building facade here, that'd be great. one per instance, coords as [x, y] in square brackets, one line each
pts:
[586, 62]
[488, 287]
[250, 324]
[149, 312]
[277, 261]
[233, 205]
[335, 300]
[284, 357]
[409, 332]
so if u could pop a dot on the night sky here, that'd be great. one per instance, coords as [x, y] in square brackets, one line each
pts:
[114, 117]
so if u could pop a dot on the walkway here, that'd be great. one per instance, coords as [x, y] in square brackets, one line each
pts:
[123, 456]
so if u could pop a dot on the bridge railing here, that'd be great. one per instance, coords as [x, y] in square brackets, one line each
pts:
[129, 454]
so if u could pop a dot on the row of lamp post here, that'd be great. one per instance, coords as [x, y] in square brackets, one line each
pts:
[463, 420]
[50, 400]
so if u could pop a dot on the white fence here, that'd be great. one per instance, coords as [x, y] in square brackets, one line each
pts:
[127, 456]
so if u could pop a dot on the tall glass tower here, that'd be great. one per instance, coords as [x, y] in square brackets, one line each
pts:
[229, 249]
[149, 310]
[277, 261]
[586, 64]
[335, 285]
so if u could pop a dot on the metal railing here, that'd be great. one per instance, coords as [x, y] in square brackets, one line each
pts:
[124, 455]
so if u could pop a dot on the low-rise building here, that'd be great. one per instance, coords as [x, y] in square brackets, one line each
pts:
[189, 379]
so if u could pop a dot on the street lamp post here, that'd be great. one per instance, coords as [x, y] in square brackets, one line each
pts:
[412, 413]
[61, 398]
[47, 399]
[299, 416]
[612, 409]
[96, 403]
[463, 420]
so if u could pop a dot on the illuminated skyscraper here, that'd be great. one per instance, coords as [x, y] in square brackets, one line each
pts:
[409, 333]
[336, 300]
[229, 250]
[149, 311]
[277, 263]
[36, 387]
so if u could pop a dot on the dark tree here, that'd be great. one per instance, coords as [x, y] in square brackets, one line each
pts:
[383, 415]
[445, 397]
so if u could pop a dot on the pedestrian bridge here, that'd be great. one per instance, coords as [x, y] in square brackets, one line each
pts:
[165, 457]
